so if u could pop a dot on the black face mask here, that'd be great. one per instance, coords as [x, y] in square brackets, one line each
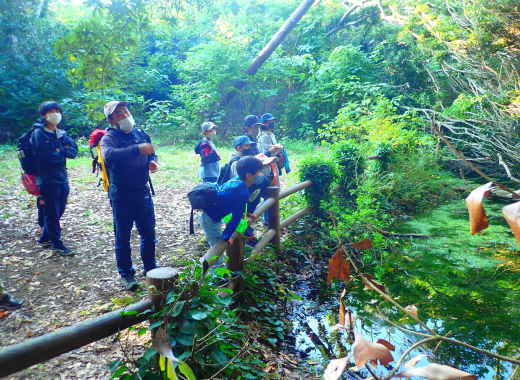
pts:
[248, 152]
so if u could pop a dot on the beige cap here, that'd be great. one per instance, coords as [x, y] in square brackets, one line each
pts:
[111, 106]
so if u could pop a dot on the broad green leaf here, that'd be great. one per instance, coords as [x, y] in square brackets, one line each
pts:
[186, 370]
[177, 309]
[199, 315]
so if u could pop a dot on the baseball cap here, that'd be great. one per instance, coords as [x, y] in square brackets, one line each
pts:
[267, 117]
[111, 106]
[251, 120]
[243, 140]
[207, 126]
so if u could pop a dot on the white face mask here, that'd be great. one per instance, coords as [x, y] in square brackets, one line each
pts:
[53, 118]
[127, 124]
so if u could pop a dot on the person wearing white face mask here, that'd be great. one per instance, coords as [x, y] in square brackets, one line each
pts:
[129, 158]
[51, 146]
[209, 158]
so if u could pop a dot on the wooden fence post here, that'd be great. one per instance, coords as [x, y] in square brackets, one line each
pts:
[163, 278]
[273, 215]
[236, 254]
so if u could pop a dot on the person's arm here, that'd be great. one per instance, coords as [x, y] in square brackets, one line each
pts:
[236, 215]
[42, 151]
[70, 147]
[113, 154]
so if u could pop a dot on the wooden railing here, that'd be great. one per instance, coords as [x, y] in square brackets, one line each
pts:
[39, 349]
[235, 252]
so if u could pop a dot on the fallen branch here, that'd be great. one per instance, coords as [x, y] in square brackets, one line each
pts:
[506, 168]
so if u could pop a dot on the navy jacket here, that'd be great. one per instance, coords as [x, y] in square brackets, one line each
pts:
[51, 150]
[232, 198]
[127, 169]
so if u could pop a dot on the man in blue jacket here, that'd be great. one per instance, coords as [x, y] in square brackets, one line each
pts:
[129, 157]
[232, 198]
[50, 148]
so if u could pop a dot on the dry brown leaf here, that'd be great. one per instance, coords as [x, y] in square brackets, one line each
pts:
[341, 313]
[412, 310]
[437, 372]
[477, 215]
[511, 214]
[387, 344]
[369, 279]
[413, 361]
[365, 351]
[339, 268]
[335, 369]
[362, 244]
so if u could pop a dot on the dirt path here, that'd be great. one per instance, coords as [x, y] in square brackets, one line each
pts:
[60, 291]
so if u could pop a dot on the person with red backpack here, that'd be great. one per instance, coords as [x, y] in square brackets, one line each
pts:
[50, 147]
[129, 158]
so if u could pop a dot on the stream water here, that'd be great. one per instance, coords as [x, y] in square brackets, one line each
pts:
[466, 285]
[311, 319]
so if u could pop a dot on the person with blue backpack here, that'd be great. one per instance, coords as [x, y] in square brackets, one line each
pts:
[50, 147]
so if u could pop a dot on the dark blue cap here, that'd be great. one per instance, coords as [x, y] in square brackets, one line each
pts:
[267, 117]
[251, 120]
[243, 140]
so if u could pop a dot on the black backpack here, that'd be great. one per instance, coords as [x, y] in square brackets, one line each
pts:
[225, 171]
[202, 197]
[24, 152]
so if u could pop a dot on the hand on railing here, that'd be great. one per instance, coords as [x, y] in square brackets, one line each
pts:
[251, 219]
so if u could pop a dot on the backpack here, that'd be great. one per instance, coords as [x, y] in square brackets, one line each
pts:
[98, 163]
[225, 171]
[24, 152]
[206, 152]
[202, 197]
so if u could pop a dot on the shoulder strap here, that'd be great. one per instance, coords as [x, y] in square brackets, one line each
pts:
[192, 228]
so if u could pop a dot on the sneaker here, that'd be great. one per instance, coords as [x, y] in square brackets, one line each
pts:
[8, 303]
[44, 241]
[130, 283]
[62, 250]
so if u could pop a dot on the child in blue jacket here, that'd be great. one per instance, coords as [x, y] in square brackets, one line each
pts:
[232, 199]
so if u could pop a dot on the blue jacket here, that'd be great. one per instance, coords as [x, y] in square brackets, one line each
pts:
[231, 199]
[256, 191]
[127, 169]
[51, 150]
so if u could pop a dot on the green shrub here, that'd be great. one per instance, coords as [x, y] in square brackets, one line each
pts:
[351, 165]
[322, 172]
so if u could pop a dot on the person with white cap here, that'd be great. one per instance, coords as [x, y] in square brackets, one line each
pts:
[129, 158]
[209, 158]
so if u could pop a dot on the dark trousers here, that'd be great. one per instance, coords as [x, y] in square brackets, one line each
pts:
[126, 210]
[55, 197]
[41, 211]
